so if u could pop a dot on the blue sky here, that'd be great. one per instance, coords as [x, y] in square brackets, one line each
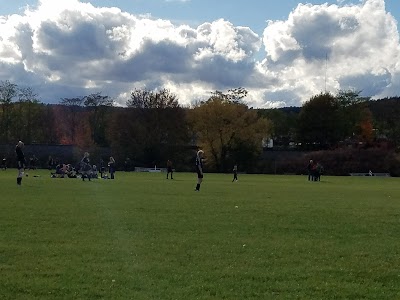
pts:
[251, 13]
[73, 48]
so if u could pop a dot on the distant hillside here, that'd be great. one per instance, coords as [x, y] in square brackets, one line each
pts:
[384, 109]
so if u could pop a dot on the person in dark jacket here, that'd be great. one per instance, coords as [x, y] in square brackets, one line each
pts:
[85, 167]
[111, 167]
[169, 168]
[4, 163]
[235, 170]
[20, 161]
[199, 169]
[310, 168]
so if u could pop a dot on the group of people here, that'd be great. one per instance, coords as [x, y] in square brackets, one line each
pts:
[314, 170]
[31, 166]
[63, 170]
[90, 171]
[84, 169]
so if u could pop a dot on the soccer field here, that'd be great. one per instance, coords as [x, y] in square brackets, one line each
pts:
[141, 236]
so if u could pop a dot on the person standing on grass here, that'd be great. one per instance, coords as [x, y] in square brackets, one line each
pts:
[20, 161]
[318, 171]
[169, 168]
[235, 170]
[4, 163]
[111, 167]
[50, 163]
[310, 167]
[199, 169]
[85, 168]
[102, 168]
[32, 162]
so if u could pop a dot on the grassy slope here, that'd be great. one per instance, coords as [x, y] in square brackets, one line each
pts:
[143, 237]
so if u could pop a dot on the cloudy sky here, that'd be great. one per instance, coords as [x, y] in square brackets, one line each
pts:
[283, 52]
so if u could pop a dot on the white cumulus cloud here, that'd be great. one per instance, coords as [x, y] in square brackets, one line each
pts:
[356, 46]
[71, 48]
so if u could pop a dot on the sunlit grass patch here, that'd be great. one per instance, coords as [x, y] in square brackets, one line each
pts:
[142, 236]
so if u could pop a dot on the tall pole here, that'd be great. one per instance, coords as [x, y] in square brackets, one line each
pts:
[326, 68]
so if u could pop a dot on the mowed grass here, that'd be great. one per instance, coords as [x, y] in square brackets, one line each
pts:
[141, 236]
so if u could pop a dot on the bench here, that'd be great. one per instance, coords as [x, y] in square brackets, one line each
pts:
[152, 170]
[373, 174]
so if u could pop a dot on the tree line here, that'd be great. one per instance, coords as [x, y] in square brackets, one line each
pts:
[154, 127]
[328, 121]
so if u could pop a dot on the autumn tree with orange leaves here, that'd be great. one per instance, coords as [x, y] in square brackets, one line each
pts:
[228, 130]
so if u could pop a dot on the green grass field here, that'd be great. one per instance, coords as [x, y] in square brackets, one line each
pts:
[144, 237]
